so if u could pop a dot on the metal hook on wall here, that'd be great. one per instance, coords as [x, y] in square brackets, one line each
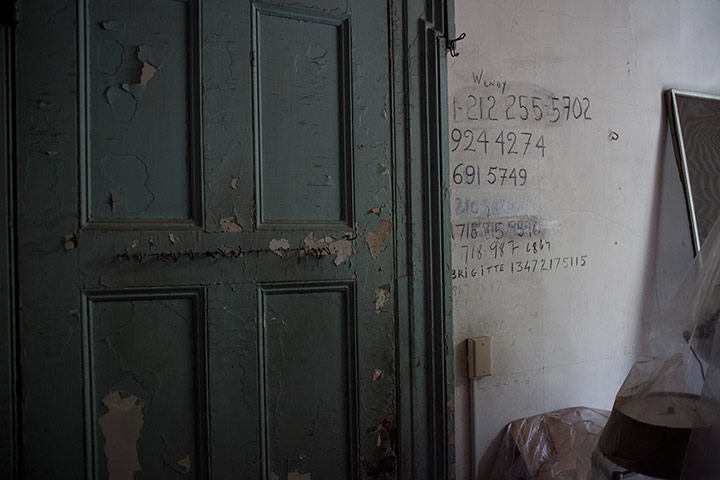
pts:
[452, 45]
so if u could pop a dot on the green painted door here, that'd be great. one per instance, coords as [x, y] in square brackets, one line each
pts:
[205, 221]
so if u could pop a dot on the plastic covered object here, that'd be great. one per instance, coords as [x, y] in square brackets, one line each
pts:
[554, 445]
[666, 409]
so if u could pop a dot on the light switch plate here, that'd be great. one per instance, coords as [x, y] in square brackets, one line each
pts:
[479, 357]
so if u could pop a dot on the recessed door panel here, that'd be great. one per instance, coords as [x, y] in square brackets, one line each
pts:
[138, 61]
[145, 355]
[309, 379]
[303, 139]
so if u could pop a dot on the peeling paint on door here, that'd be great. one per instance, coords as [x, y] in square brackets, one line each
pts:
[114, 25]
[230, 224]
[340, 247]
[70, 242]
[382, 295]
[277, 245]
[109, 57]
[147, 73]
[186, 463]
[299, 476]
[129, 175]
[122, 102]
[374, 240]
[121, 426]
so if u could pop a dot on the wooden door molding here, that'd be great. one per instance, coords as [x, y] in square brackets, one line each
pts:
[425, 350]
[8, 416]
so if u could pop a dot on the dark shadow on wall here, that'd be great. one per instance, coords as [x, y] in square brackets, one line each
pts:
[487, 462]
[670, 249]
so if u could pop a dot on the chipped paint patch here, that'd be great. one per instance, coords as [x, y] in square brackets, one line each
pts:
[147, 72]
[230, 224]
[374, 240]
[110, 57]
[114, 25]
[274, 476]
[386, 169]
[375, 210]
[121, 426]
[129, 176]
[70, 242]
[296, 475]
[234, 183]
[186, 463]
[382, 295]
[173, 239]
[122, 103]
[340, 247]
[277, 245]
[384, 466]
[377, 375]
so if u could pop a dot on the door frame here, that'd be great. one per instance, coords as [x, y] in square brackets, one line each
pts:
[422, 240]
[8, 299]
[419, 33]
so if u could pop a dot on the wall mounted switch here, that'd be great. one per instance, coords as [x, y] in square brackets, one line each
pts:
[479, 357]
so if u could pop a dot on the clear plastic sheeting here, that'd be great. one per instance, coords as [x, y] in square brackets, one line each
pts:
[554, 445]
[664, 421]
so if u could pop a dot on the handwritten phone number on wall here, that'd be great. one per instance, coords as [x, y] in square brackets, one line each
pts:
[495, 230]
[506, 143]
[523, 107]
[499, 249]
[535, 265]
[501, 176]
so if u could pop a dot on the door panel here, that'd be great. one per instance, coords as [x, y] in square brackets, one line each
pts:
[309, 368]
[215, 220]
[141, 139]
[303, 108]
[149, 345]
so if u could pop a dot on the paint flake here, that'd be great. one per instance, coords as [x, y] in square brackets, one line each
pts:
[277, 245]
[121, 426]
[113, 25]
[173, 239]
[234, 183]
[147, 72]
[128, 174]
[122, 103]
[382, 295]
[296, 475]
[230, 224]
[377, 375]
[340, 247]
[186, 463]
[110, 57]
[70, 242]
[374, 240]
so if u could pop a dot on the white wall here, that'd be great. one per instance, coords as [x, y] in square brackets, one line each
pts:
[567, 336]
